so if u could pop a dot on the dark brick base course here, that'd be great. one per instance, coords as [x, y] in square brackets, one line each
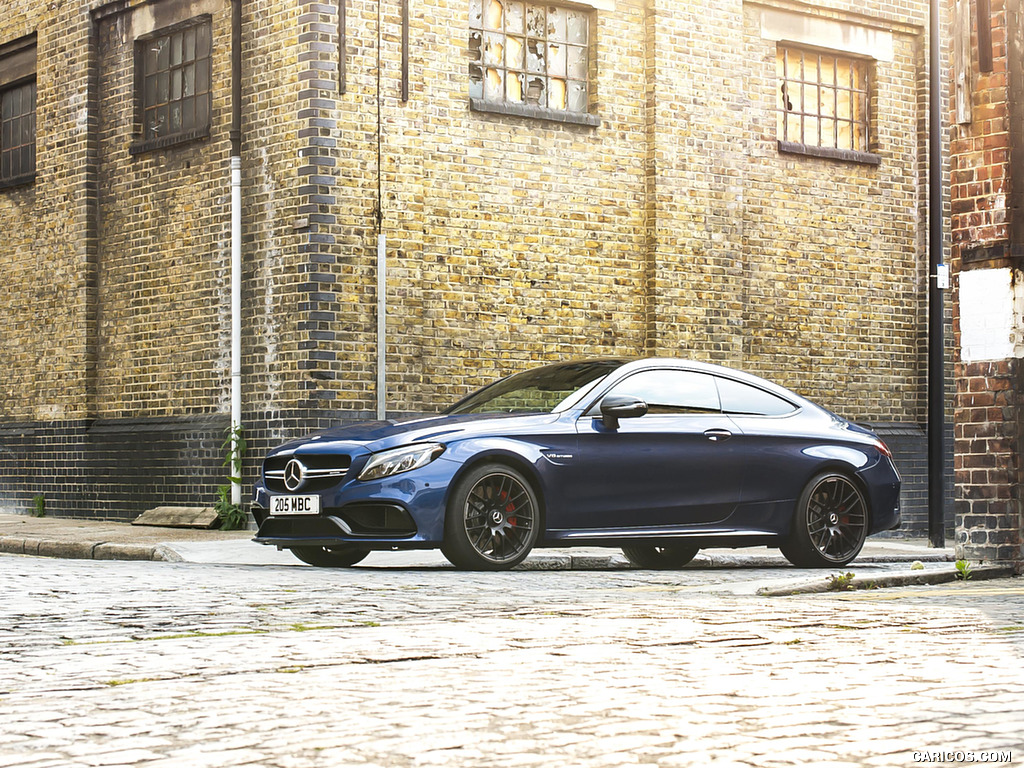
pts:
[118, 469]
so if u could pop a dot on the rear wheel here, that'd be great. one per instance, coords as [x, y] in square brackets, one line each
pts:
[660, 557]
[330, 557]
[830, 524]
[492, 519]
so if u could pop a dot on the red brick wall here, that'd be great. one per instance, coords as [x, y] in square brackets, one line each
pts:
[987, 460]
[985, 191]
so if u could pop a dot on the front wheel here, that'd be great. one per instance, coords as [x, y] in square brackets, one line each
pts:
[830, 524]
[660, 558]
[492, 520]
[330, 557]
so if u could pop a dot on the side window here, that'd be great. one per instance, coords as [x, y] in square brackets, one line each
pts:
[742, 399]
[18, 113]
[668, 391]
[173, 84]
[824, 104]
[531, 59]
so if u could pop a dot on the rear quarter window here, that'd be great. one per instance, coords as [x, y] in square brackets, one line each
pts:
[745, 400]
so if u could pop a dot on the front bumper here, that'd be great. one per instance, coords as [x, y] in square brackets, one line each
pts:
[404, 511]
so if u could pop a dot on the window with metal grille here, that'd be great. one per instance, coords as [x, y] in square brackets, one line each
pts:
[173, 83]
[823, 103]
[18, 132]
[529, 54]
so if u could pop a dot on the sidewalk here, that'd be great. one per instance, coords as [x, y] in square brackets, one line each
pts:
[108, 540]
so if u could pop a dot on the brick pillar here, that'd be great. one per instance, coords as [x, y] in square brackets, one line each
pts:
[987, 261]
[988, 461]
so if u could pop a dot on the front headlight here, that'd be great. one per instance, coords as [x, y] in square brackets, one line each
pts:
[402, 459]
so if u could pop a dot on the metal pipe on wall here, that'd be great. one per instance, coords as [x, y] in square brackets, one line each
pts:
[936, 313]
[382, 280]
[382, 304]
[236, 236]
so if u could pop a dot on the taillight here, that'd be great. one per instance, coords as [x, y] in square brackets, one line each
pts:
[880, 445]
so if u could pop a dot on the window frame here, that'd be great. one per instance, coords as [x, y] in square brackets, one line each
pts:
[17, 70]
[144, 142]
[480, 103]
[865, 122]
[663, 409]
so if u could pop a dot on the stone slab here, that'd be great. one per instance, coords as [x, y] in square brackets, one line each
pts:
[179, 517]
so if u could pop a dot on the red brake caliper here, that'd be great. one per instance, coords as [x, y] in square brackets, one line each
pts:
[509, 508]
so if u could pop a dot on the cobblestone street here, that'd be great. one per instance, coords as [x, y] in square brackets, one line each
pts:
[161, 664]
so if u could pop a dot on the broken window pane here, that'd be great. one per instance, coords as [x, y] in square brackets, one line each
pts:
[493, 48]
[475, 13]
[494, 85]
[476, 82]
[577, 67]
[536, 60]
[514, 87]
[556, 22]
[536, 21]
[556, 94]
[577, 96]
[556, 60]
[514, 18]
[578, 23]
[493, 14]
[535, 91]
[514, 52]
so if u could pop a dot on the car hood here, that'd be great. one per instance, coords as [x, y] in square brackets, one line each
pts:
[376, 436]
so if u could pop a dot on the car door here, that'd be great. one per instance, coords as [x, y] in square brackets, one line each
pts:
[672, 467]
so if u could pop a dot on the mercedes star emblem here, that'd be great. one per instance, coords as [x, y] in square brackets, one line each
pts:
[294, 475]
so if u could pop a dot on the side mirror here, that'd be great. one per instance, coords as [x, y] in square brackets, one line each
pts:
[615, 407]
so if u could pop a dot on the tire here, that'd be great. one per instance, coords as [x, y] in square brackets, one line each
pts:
[661, 557]
[830, 523]
[492, 520]
[330, 557]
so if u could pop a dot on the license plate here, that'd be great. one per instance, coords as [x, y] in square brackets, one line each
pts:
[295, 505]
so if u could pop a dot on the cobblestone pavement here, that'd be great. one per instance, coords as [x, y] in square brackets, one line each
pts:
[163, 664]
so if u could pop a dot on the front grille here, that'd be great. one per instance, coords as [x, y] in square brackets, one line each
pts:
[322, 471]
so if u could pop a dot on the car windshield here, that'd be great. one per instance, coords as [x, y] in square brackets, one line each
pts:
[541, 390]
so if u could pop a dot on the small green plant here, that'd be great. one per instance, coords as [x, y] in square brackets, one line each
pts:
[840, 582]
[963, 570]
[232, 516]
[39, 505]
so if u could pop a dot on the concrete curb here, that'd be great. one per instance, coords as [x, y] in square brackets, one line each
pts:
[87, 550]
[540, 561]
[907, 578]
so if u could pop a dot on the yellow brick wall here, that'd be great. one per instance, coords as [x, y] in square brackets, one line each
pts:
[674, 227]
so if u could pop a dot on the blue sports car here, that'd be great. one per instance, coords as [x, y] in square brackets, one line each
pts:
[659, 457]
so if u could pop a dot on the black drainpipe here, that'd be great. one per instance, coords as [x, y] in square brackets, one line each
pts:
[936, 319]
[236, 78]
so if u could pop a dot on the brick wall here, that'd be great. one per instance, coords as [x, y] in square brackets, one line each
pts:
[986, 184]
[673, 227]
[988, 441]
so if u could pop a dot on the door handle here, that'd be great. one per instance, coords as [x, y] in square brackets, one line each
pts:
[717, 435]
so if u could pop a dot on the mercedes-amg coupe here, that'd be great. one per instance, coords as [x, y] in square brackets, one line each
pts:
[659, 457]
